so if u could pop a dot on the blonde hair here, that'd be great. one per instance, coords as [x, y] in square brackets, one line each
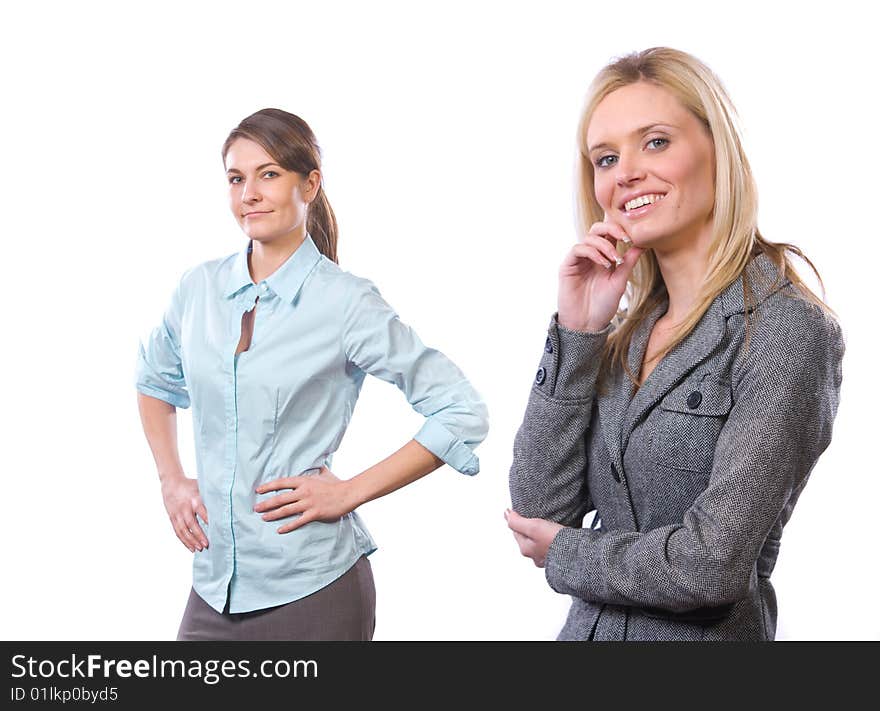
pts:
[735, 236]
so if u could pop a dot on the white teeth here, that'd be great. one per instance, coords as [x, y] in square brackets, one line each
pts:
[643, 200]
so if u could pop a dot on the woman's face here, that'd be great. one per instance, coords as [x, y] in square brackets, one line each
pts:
[268, 201]
[654, 167]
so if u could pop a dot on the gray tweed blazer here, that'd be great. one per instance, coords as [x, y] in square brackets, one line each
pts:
[692, 478]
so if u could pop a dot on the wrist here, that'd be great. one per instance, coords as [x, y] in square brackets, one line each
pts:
[572, 324]
[353, 493]
[171, 476]
[580, 326]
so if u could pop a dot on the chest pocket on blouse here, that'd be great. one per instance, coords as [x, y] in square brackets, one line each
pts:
[689, 420]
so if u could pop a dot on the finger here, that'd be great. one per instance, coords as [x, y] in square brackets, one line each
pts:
[618, 229]
[184, 534]
[295, 524]
[195, 530]
[184, 538]
[520, 524]
[285, 482]
[608, 250]
[587, 251]
[610, 231]
[513, 519]
[277, 501]
[202, 511]
[286, 511]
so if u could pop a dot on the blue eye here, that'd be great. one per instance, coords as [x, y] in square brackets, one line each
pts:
[603, 162]
[269, 172]
[662, 141]
[233, 179]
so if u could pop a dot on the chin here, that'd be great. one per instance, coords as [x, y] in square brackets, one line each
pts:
[651, 237]
[258, 236]
[647, 240]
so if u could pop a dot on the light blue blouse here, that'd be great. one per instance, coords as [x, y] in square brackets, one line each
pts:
[281, 408]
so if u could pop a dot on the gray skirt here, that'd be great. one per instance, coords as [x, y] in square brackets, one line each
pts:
[343, 610]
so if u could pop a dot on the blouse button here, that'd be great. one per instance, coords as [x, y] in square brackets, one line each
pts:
[694, 399]
[540, 376]
[548, 346]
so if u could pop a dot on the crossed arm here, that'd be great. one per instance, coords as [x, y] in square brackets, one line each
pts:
[786, 396]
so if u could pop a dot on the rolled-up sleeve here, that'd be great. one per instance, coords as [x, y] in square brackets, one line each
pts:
[159, 371]
[376, 341]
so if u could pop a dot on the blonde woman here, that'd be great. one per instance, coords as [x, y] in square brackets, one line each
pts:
[690, 421]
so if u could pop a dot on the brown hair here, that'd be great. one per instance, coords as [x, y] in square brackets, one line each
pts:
[291, 143]
[736, 238]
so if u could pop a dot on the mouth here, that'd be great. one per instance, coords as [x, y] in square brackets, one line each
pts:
[642, 204]
[255, 214]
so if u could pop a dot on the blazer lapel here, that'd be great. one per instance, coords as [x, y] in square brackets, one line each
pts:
[763, 278]
[687, 355]
[613, 405]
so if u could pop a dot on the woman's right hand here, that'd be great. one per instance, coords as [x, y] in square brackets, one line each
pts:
[183, 502]
[592, 278]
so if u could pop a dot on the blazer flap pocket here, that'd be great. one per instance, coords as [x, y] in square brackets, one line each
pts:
[706, 396]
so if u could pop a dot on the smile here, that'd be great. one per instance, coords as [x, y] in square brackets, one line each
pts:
[256, 214]
[643, 200]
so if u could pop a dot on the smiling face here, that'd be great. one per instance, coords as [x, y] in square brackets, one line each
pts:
[654, 167]
[269, 202]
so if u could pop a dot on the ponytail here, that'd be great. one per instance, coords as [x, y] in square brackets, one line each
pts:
[321, 224]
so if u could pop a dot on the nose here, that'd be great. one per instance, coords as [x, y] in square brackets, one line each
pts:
[250, 194]
[629, 169]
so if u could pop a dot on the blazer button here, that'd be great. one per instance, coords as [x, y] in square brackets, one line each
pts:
[540, 376]
[694, 399]
[548, 346]
[615, 474]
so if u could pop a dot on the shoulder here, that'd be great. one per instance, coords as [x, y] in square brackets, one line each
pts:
[331, 277]
[789, 317]
[355, 298]
[788, 331]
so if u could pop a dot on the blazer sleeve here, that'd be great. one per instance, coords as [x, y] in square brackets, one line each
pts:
[159, 371]
[786, 396]
[548, 475]
[376, 341]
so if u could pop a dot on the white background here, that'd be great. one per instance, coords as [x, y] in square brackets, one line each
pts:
[448, 131]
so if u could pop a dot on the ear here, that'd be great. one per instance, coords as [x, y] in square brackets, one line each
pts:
[310, 185]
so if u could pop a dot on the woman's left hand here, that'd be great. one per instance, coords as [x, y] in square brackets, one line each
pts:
[319, 497]
[534, 535]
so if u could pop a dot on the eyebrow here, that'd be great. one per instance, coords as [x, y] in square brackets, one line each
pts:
[638, 132]
[259, 167]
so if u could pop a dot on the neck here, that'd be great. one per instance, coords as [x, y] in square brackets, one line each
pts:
[684, 271]
[266, 257]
